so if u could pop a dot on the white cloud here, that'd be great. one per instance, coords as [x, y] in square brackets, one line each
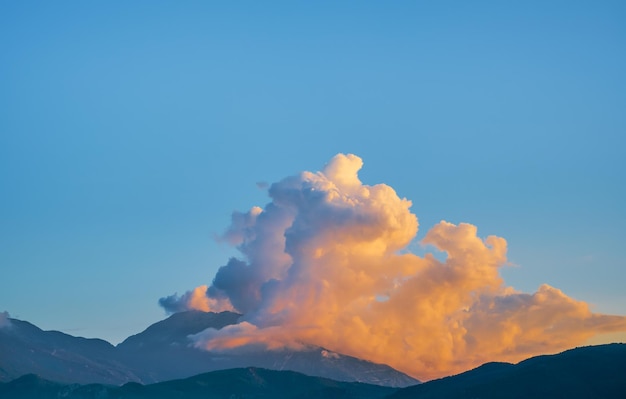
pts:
[319, 257]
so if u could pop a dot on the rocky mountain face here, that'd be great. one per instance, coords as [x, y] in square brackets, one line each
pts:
[163, 352]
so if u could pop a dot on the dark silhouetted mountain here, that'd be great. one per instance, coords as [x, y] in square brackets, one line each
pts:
[247, 383]
[31, 386]
[589, 372]
[164, 352]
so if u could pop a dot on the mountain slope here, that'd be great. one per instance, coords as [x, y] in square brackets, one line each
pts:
[25, 348]
[176, 328]
[589, 372]
[31, 386]
[250, 383]
[167, 339]
[164, 352]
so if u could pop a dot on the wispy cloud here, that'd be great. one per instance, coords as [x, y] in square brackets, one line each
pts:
[326, 263]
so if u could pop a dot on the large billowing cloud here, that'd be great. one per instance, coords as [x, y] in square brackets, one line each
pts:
[325, 263]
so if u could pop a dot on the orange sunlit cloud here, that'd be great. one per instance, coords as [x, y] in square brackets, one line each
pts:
[196, 299]
[325, 263]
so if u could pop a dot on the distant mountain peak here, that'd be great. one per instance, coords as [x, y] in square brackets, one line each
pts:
[163, 351]
[177, 327]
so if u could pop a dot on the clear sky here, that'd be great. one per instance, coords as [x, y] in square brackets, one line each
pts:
[129, 133]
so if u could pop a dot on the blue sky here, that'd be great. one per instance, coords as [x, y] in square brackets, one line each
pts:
[129, 133]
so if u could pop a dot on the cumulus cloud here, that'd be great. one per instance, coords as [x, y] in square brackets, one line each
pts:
[4, 319]
[325, 263]
[195, 299]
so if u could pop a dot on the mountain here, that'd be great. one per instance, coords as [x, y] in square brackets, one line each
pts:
[168, 339]
[25, 348]
[588, 372]
[164, 352]
[176, 328]
[31, 386]
[250, 383]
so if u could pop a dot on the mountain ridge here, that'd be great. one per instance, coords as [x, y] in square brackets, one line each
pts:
[585, 372]
[25, 348]
[180, 325]
[163, 352]
[597, 371]
[249, 382]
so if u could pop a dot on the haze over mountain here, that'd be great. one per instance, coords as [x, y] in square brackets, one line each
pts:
[164, 352]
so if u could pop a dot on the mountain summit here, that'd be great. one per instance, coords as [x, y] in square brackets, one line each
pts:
[163, 352]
